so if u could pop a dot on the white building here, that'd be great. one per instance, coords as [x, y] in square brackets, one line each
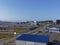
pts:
[53, 29]
[29, 39]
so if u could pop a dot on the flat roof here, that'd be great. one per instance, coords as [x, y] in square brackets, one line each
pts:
[34, 38]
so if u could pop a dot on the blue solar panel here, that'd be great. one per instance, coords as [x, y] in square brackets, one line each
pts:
[34, 38]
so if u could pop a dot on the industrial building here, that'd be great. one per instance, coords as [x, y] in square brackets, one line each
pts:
[29, 39]
[53, 29]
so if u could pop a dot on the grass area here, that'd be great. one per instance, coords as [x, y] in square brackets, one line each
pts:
[6, 36]
[10, 43]
[18, 30]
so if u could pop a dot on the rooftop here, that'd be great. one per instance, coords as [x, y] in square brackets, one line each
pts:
[34, 38]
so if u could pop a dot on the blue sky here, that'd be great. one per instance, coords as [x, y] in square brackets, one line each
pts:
[29, 10]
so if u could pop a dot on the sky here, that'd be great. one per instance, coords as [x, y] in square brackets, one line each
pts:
[29, 10]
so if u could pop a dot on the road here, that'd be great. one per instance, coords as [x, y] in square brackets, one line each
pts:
[41, 28]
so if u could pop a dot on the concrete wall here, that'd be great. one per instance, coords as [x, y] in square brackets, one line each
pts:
[18, 42]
